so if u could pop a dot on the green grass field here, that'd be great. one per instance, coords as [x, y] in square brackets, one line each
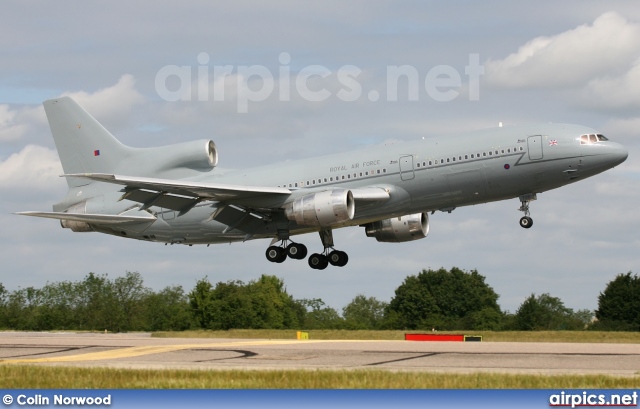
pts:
[45, 377]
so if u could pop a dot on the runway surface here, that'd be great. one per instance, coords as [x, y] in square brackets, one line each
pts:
[143, 351]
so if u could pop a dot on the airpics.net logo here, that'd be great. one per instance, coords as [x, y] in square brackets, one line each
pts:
[313, 83]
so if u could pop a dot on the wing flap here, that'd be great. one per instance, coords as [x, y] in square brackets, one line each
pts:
[166, 201]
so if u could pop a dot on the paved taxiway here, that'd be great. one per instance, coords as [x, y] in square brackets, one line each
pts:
[143, 351]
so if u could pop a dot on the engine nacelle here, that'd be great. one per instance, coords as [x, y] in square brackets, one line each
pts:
[75, 226]
[399, 229]
[322, 209]
[198, 155]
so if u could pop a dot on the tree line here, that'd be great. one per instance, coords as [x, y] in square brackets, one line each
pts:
[433, 299]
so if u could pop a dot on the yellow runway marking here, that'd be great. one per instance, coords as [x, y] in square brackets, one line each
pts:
[130, 352]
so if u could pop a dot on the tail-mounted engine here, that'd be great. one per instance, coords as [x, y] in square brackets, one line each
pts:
[399, 229]
[197, 155]
[323, 209]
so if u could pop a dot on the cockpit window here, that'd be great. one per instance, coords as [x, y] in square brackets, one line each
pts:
[592, 138]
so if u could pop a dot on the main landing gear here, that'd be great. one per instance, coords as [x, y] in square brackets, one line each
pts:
[329, 255]
[526, 221]
[278, 254]
[298, 251]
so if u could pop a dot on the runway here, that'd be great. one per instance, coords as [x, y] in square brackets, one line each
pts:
[140, 350]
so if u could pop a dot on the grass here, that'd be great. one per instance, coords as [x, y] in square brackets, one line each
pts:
[54, 377]
[487, 336]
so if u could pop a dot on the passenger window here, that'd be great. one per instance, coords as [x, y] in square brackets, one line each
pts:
[418, 164]
[490, 153]
[430, 163]
[466, 156]
[384, 170]
[472, 156]
[447, 160]
[454, 158]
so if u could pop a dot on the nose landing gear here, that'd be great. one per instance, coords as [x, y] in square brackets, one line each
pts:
[526, 221]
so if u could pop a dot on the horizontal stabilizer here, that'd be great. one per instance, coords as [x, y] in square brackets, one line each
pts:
[214, 191]
[91, 218]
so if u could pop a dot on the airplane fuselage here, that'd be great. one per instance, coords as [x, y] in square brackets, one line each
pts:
[176, 194]
[436, 173]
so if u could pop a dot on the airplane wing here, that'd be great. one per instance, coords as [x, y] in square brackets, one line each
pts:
[213, 191]
[182, 196]
[91, 218]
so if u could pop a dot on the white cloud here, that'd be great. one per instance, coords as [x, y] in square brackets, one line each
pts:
[34, 167]
[572, 58]
[112, 104]
[615, 92]
[9, 129]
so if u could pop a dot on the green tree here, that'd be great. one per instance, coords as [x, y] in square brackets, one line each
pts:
[320, 316]
[547, 313]
[364, 313]
[262, 303]
[444, 300]
[168, 310]
[619, 304]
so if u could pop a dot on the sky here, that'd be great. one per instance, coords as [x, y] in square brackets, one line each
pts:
[281, 80]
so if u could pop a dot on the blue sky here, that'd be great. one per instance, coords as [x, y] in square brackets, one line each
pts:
[574, 62]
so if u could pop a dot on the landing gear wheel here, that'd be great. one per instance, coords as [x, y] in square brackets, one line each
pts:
[338, 258]
[526, 222]
[318, 261]
[276, 254]
[297, 251]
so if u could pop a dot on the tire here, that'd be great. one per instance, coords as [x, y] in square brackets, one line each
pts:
[276, 254]
[338, 258]
[318, 261]
[297, 251]
[526, 222]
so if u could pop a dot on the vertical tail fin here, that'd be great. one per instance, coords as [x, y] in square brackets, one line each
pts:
[83, 144]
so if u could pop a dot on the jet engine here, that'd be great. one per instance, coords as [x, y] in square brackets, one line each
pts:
[198, 155]
[322, 209]
[399, 229]
[75, 226]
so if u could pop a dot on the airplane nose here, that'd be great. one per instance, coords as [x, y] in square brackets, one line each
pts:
[621, 154]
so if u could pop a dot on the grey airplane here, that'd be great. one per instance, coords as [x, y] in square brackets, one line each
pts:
[176, 195]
